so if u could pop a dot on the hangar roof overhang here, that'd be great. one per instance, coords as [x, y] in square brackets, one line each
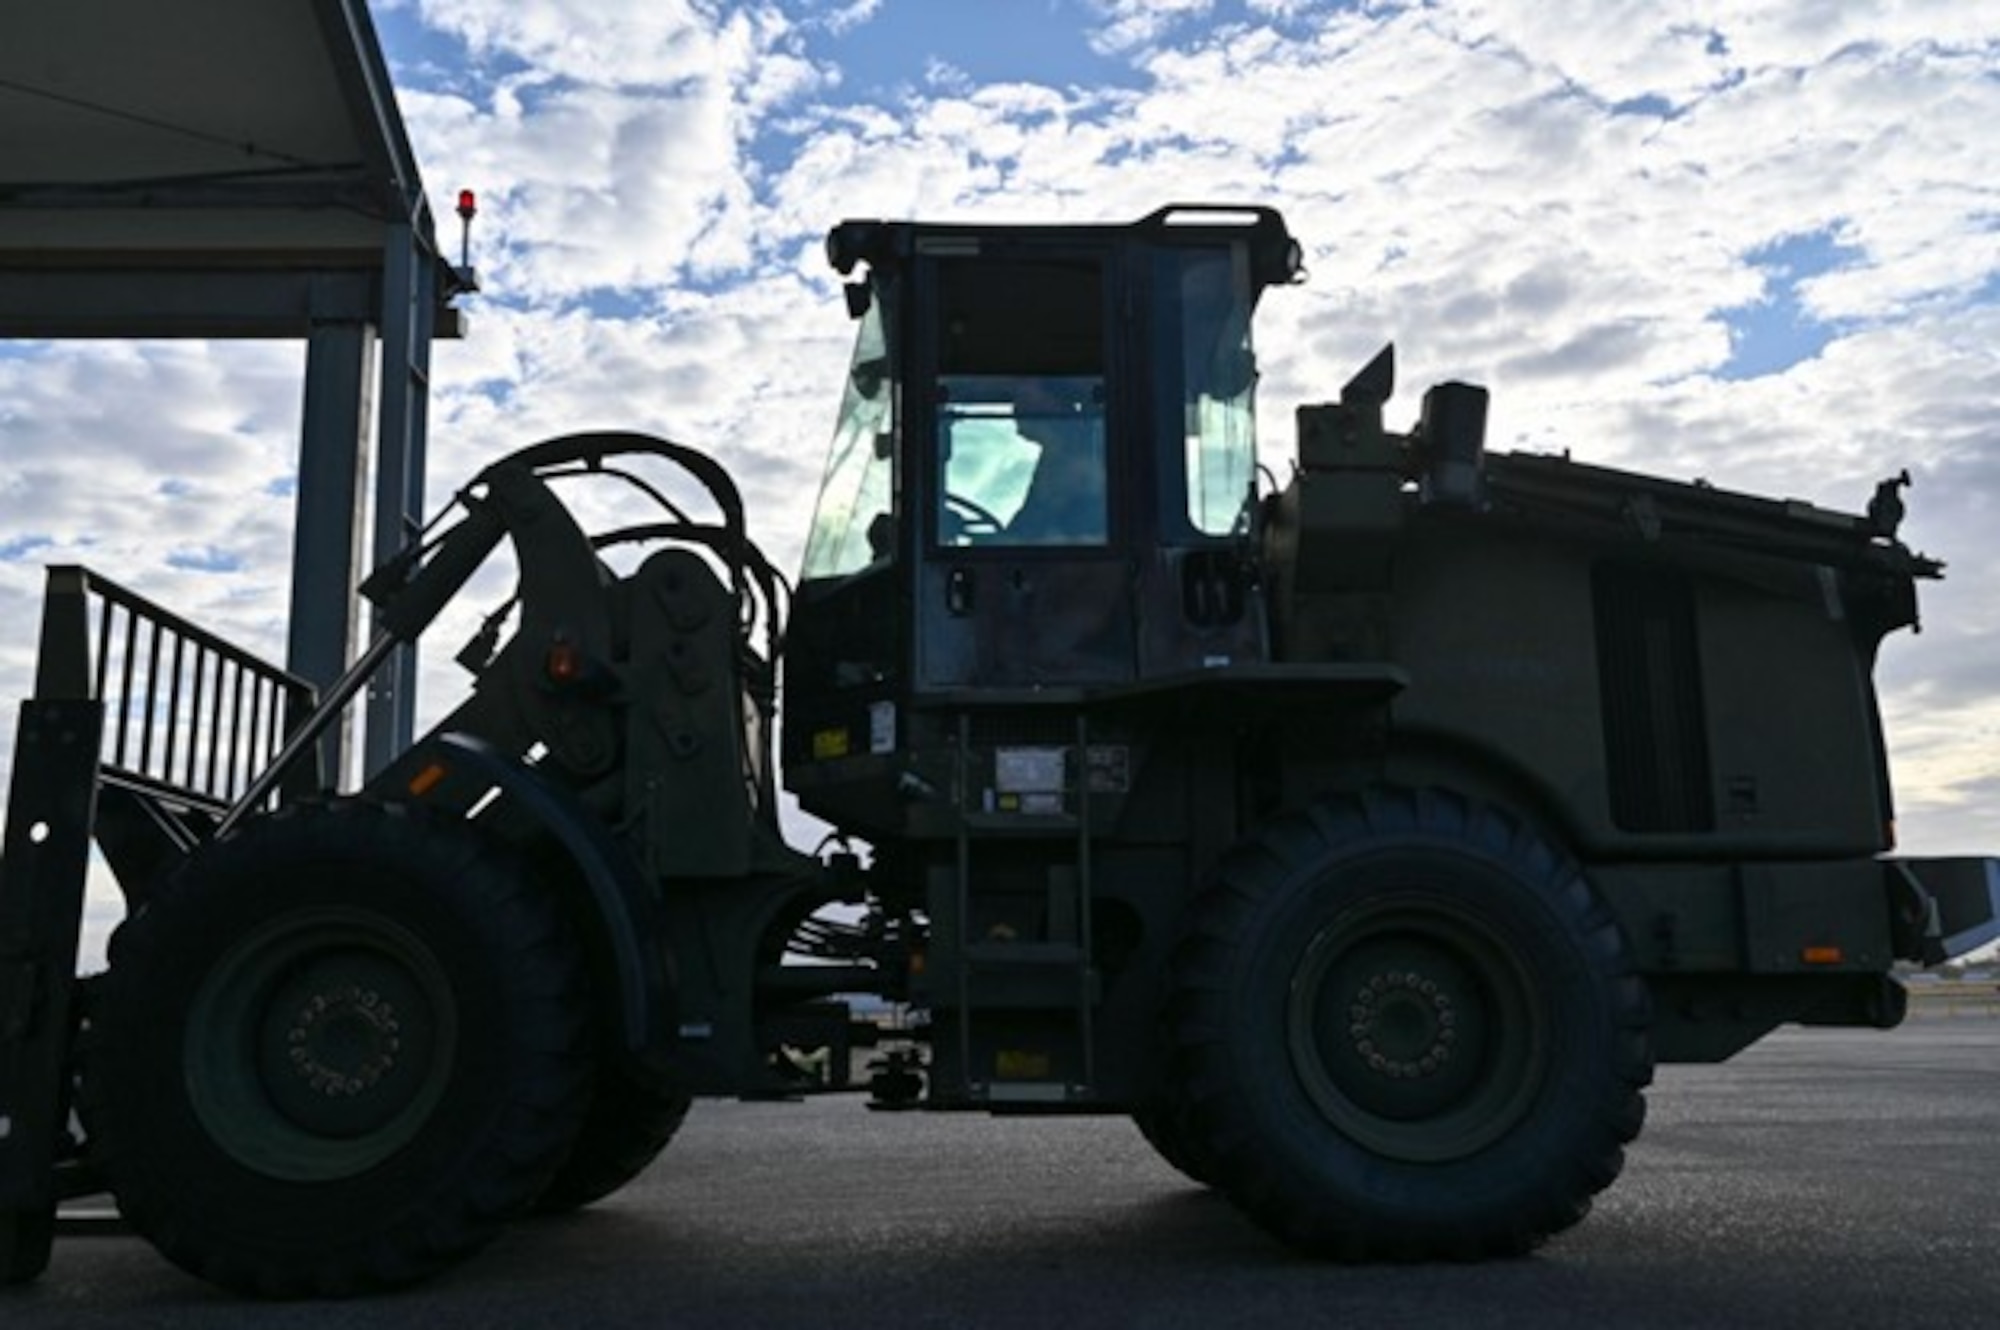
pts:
[226, 168]
[239, 169]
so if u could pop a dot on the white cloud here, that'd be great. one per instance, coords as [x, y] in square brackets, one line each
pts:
[618, 42]
[844, 18]
[148, 452]
[1136, 23]
[611, 149]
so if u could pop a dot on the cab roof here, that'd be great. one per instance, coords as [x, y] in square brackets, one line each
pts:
[1276, 258]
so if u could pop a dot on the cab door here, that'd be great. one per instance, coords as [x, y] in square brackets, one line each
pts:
[1022, 447]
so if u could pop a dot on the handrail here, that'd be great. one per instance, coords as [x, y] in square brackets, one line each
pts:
[185, 710]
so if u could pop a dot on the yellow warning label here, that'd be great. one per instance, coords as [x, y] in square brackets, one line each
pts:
[1021, 1064]
[829, 743]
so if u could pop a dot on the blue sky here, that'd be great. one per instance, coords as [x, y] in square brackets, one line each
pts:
[1029, 41]
[1752, 242]
[1778, 329]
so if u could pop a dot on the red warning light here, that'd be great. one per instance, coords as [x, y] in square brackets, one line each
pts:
[564, 663]
[468, 204]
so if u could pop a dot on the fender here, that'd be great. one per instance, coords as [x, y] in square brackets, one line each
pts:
[623, 913]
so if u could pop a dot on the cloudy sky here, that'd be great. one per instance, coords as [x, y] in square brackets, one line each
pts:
[1750, 242]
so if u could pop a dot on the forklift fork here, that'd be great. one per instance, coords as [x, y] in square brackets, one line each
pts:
[142, 730]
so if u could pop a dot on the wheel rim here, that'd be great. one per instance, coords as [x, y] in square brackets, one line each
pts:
[320, 1044]
[1414, 1032]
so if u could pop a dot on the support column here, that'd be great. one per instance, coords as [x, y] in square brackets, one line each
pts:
[409, 301]
[340, 374]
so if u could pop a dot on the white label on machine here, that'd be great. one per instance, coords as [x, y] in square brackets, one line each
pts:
[881, 727]
[1028, 770]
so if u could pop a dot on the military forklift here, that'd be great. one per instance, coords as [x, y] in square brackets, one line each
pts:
[1365, 836]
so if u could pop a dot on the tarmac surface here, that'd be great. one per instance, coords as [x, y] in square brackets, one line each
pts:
[1824, 1178]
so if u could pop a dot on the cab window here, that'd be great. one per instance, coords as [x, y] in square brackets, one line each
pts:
[1211, 292]
[1023, 460]
[1020, 403]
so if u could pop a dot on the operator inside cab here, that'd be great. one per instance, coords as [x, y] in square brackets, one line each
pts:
[1023, 461]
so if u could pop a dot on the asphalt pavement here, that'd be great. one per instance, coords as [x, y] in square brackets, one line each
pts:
[1824, 1179]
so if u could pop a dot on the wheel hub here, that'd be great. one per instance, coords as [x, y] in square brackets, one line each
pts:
[1403, 1025]
[1413, 1031]
[325, 1042]
[344, 1041]
[343, 1037]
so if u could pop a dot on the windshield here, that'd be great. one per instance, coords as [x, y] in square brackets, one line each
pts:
[852, 525]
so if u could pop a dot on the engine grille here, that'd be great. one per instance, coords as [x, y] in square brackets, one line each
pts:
[1655, 724]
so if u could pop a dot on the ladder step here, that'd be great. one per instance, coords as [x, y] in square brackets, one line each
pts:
[1022, 824]
[1029, 1092]
[1024, 955]
[1053, 977]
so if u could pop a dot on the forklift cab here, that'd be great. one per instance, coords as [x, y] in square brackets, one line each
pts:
[1042, 480]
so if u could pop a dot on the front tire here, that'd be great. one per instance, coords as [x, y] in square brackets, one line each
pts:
[336, 1052]
[631, 1120]
[1405, 1028]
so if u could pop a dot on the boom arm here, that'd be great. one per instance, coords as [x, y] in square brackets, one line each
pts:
[511, 498]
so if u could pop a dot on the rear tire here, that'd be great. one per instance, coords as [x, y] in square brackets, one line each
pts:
[336, 1052]
[1165, 1125]
[1405, 1028]
[25, 1239]
[630, 1122]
